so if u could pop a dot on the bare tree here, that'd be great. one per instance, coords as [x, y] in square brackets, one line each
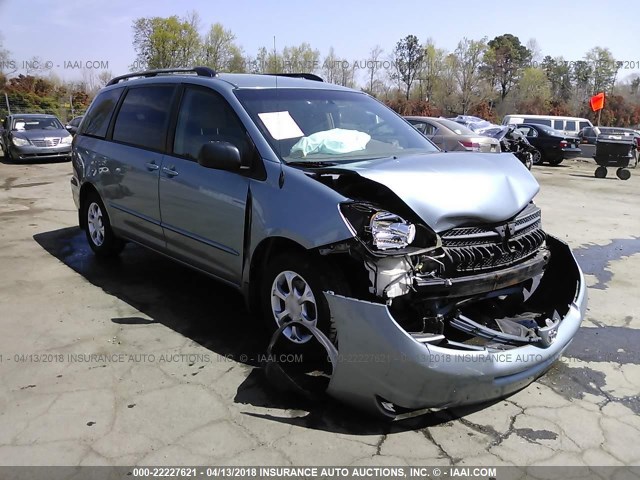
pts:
[536, 52]
[331, 67]
[104, 77]
[373, 65]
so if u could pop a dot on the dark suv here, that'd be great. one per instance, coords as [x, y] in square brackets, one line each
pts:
[341, 225]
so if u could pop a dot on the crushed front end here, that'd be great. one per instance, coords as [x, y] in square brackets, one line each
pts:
[456, 293]
[468, 315]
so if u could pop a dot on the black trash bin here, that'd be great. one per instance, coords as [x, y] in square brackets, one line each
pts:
[616, 153]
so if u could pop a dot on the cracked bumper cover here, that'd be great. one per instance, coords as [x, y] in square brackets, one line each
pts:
[377, 361]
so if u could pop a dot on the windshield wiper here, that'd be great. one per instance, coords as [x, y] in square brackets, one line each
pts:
[311, 164]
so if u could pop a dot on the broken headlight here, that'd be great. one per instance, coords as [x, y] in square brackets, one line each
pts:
[381, 229]
[389, 230]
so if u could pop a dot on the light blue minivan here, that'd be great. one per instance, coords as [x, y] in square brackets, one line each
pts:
[425, 276]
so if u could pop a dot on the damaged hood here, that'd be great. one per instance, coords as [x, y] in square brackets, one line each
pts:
[452, 189]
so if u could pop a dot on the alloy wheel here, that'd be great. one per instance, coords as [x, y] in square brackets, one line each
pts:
[95, 224]
[293, 300]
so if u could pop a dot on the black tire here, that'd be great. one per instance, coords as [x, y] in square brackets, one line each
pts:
[537, 157]
[7, 155]
[317, 277]
[528, 161]
[623, 174]
[600, 172]
[107, 244]
[555, 161]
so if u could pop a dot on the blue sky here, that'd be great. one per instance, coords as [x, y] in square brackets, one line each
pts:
[100, 30]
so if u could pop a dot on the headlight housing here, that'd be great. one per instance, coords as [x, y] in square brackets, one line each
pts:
[66, 140]
[20, 142]
[389, 230]
[382, 230]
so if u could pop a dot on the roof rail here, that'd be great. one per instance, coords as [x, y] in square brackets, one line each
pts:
[308, 76]
[200, 71]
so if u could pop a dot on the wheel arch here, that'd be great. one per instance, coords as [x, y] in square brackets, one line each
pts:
[265, 250]
[85, 190]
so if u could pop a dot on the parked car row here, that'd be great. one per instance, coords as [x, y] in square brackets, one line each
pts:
[466, 133]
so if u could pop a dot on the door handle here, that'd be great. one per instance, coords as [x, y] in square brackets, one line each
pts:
[170, 171]
[152, 166]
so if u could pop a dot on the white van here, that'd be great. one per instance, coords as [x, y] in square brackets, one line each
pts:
[570, 125]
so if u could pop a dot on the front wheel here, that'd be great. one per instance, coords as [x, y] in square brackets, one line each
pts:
[600, 172]
[7, 155]
[100, 236]
[292, 291]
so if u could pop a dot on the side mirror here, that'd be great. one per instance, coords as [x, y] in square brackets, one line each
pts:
[221, 156]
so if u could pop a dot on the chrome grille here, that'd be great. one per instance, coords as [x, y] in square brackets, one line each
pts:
[478, 249]
[47, 142]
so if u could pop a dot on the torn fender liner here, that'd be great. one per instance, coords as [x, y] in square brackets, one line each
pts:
[291, 381]
[380, 364]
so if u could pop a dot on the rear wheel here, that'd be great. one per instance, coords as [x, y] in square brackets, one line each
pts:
[100, 236]
[601, 172]
[555, 161]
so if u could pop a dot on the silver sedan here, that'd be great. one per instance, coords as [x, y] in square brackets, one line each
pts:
[451, 136]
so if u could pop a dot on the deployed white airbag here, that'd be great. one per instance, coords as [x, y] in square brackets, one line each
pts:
[333, 142]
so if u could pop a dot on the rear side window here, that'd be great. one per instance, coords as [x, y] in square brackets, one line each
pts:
[558, 124]
[425, 128]
[430, 129]
[570, 125]
[143, 117]
[584, 124]
[99, 115]
[529, 132]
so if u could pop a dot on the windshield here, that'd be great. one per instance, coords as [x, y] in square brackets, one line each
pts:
[36, 123]
[308, 125]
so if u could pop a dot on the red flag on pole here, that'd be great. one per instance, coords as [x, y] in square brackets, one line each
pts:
[597, 102]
